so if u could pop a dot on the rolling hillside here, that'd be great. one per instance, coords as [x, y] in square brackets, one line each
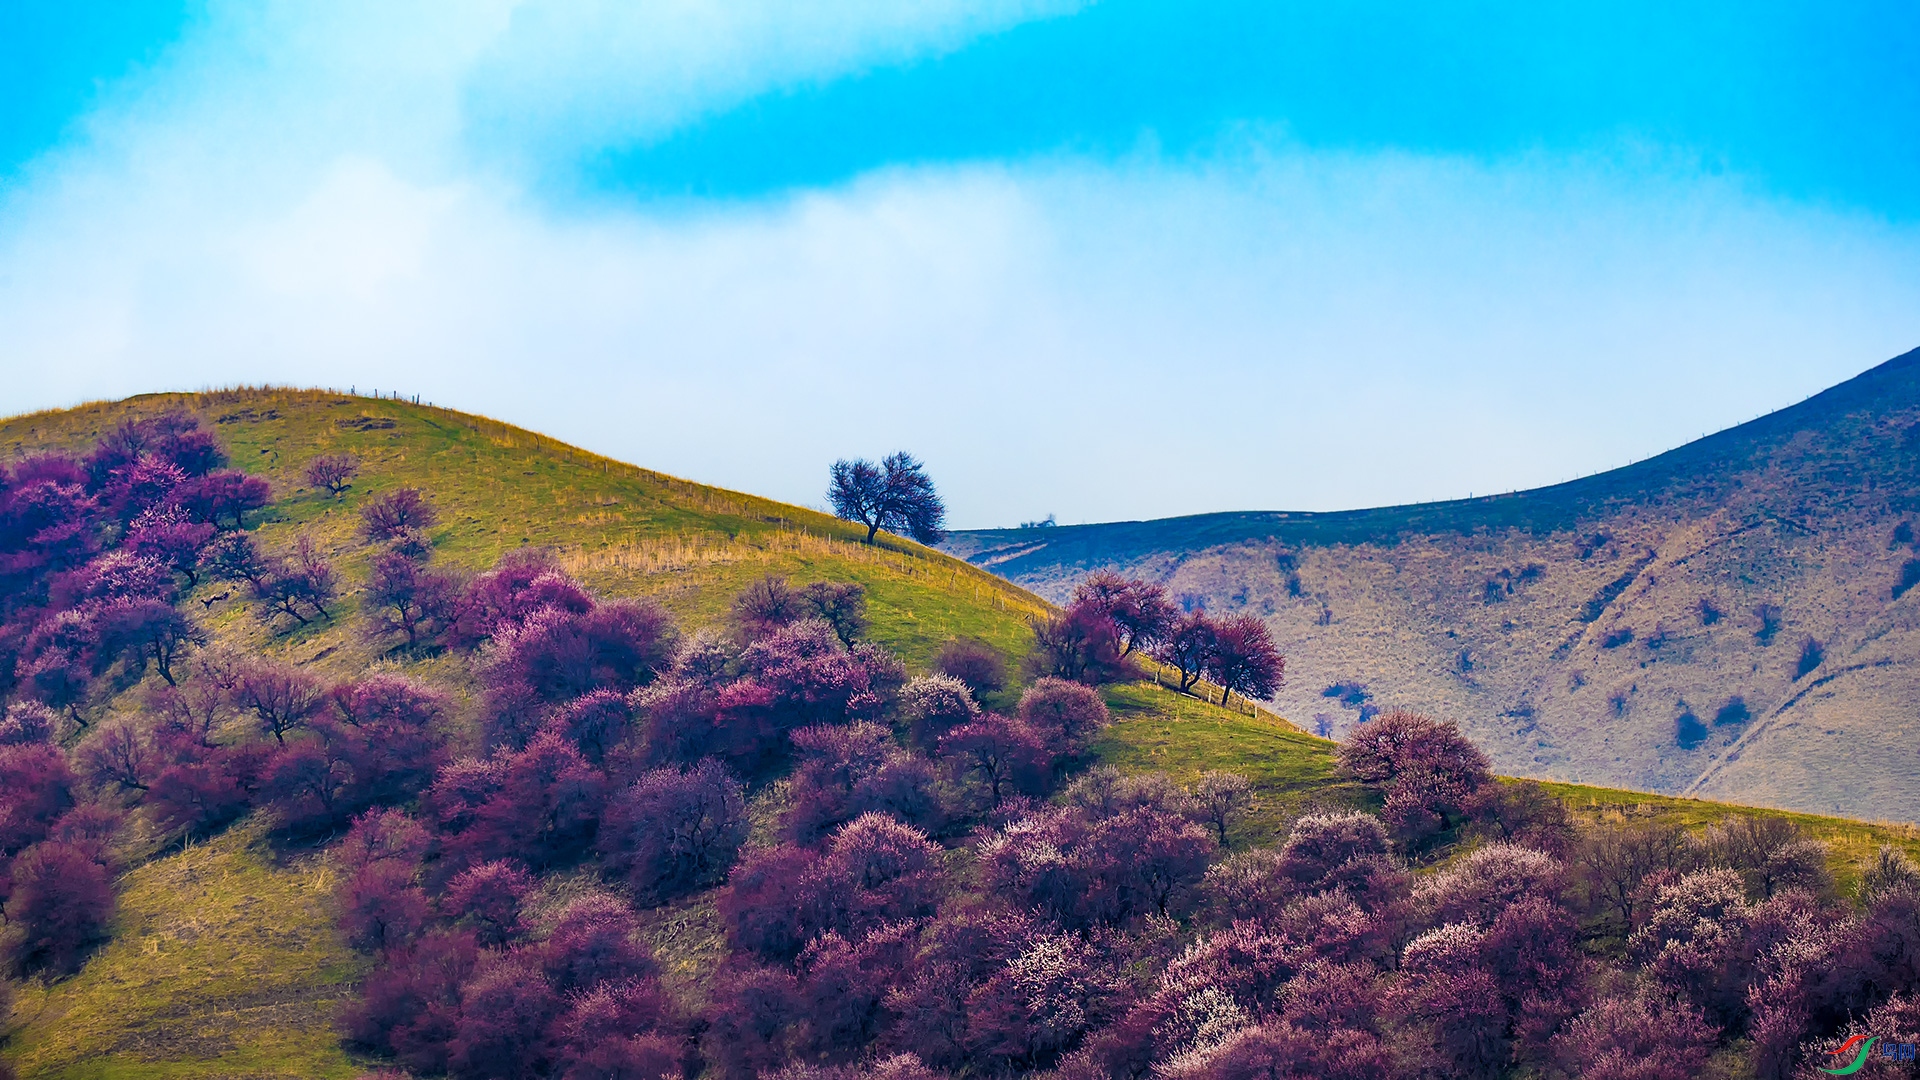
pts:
[1729, 619]
[621, 530]
[225, 961]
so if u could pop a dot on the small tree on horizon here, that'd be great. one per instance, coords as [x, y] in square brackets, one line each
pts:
[895, 495]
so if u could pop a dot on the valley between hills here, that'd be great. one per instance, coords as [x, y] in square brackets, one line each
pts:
[1730, 620]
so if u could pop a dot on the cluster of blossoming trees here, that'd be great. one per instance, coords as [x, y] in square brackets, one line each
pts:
[617, 743]
[937, 888]
[916, 877]
[1110, 618]
[94, 553]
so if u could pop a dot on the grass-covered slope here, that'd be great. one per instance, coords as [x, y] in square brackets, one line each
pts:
[1293, 773]
[224, 959]
[224, 962]
[623, 531]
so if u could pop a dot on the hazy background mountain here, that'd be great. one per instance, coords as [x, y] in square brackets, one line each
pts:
[1729, 619]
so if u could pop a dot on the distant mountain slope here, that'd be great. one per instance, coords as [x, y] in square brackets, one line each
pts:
[1728, 619]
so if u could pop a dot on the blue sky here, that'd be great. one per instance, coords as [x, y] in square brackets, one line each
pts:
[1104, 260]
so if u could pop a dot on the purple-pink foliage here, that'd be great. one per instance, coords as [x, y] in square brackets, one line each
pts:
[620, 1031]
[673, 831]
[1280, 1051]
[874, 870]
[557, 655]
[332, 472]
[934, 705]
[540, 805]
[488, 897]
[1188, 646]
[409, 1006]
[845, 770]
[1064, 714]
[1114, 870]
[1634, 1038]
[36, 788]
[1321, 847]
[1431, 774]
[1003, 754]
[1490, 878]
[814, 679]
[1139, 610]
[506, 1012]
[978, 665]
[766, 605]
[596, 722]
[1081, 644]
[381, 905]
[1694, 944]
[223, 499]
[1245, 659]
[59, 904]
[409, 600]
[523, 583]
[595, 941]
[1050, 993]
[398, 510]
[798, 676]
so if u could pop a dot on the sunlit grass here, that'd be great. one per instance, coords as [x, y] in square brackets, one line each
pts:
[1158, 729]
[625, 531]
[222, 963]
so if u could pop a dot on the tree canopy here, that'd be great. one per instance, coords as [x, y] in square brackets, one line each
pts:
[896, 495]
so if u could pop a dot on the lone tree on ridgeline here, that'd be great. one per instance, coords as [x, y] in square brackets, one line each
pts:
[895, 495]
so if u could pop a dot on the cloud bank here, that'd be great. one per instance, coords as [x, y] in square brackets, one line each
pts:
[364, 198]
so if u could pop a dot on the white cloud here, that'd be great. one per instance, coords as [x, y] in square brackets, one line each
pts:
[574, 75]
[1279, 328]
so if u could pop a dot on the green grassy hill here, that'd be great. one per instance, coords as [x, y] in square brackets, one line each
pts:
[1647, 627]
[622, 530]
[224, 961]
